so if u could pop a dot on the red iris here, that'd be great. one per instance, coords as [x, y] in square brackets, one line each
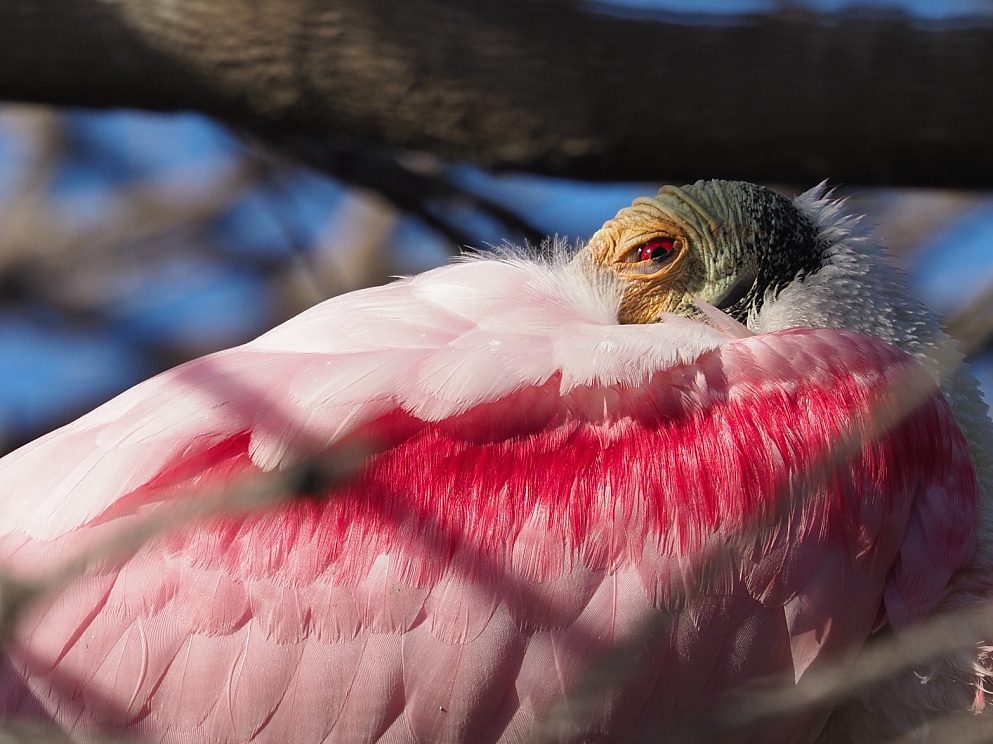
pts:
[657, 249]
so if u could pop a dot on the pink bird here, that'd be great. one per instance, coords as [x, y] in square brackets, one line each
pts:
[607, 495]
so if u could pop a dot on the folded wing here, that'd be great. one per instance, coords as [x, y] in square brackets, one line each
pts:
[571, 529]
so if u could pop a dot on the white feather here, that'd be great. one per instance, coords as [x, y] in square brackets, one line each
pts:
[434, 345]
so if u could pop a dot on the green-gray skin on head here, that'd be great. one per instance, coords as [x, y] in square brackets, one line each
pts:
[728, 243]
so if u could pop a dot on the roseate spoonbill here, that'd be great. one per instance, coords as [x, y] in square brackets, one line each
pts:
[597, 503]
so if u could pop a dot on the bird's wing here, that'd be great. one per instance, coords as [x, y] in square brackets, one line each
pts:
[573, 527]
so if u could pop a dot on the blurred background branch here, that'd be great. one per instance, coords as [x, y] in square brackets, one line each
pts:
[559, 87]
[129, 243]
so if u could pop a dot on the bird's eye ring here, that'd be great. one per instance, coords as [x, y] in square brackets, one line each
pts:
[660, 250]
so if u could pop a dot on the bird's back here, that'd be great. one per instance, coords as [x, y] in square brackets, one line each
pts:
[569, 529]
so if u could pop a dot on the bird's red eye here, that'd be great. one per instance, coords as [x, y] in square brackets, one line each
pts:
[657, 249]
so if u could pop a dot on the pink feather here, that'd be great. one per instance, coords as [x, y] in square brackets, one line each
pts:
[576, 529]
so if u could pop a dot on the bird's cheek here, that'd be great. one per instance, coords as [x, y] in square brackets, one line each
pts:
[644, 302]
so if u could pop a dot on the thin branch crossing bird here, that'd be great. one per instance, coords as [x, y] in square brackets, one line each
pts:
[604, 496]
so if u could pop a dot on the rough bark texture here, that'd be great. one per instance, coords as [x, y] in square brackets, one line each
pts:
[538, 85]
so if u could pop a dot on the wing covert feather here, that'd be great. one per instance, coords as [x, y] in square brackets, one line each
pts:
[576, 526]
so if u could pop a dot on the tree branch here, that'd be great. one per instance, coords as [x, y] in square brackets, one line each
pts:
[537, 85]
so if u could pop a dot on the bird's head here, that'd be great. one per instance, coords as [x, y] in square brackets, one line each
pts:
[728, 243]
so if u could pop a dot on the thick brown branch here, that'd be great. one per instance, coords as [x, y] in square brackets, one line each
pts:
[537, 85]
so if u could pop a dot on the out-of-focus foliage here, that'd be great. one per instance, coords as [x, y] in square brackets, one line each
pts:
[130, 243]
